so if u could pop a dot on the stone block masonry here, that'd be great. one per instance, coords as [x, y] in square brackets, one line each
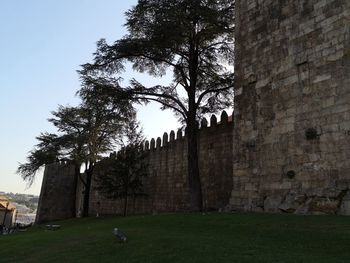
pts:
[292, 106]
[167, 184]
[57, 194]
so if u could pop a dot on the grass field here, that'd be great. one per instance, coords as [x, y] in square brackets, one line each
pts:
[169, 238]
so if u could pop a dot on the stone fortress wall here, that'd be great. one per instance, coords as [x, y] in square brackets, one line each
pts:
[292, 106]
[58, 192]
[289, 147]
[167, 184]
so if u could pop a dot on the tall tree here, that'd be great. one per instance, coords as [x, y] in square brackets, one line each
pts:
[191, 38]
[122, 174]
[45, 152]
[85, 134]
[91, 130]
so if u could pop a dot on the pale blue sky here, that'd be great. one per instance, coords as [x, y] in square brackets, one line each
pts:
[42, 44]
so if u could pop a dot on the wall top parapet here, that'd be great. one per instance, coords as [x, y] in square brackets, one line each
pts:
[153, 144]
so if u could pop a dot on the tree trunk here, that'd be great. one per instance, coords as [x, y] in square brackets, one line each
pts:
[86, 204]
[196, 199]
[76, 177]
[125, 213]
[196, 202]
[134, 203]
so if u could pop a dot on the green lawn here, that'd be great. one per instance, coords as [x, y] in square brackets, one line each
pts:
[181, 238]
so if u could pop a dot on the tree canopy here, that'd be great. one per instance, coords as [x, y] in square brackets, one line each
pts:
[192, 39]
[45, 152]
[122, 174]
[85, 133]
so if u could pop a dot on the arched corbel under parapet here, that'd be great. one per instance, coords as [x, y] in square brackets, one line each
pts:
[179, 134]
[147, 145]
[153, 144]
[165, 139]
[213, 121]
[204, 123]
[159, 142]
[224, 117]
[172, 136]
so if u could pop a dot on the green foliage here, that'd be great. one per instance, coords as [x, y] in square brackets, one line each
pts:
[121, 175]
[45, 152]
[187, 238]
[193, 39]
[90, 130]
[84, 134]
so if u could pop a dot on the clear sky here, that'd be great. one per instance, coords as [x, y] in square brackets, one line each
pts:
[42, 44]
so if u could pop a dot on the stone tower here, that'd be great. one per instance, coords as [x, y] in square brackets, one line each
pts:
[57, 196]
[292, 106]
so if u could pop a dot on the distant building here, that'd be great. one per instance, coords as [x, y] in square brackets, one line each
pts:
[7, 212]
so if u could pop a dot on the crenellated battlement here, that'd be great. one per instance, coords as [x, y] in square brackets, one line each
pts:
[167, 181]
[170, 139]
